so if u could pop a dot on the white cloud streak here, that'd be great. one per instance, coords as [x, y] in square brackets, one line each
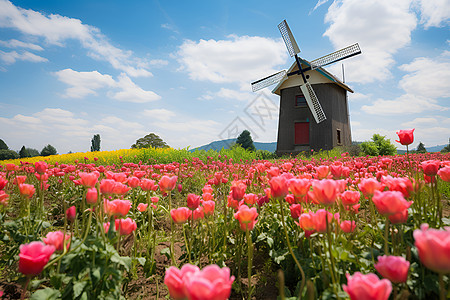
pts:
[13, 56]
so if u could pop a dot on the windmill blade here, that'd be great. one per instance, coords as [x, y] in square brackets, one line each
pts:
[288, 38]
[313, 102]
[336, 56]
[269, 80]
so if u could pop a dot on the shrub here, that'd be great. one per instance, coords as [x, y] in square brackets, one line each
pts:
[8, 154]
[48, 150]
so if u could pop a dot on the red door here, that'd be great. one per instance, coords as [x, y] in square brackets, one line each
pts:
[302, 133]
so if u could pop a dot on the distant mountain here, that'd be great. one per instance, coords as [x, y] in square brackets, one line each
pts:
[218, 145]
[437, 148]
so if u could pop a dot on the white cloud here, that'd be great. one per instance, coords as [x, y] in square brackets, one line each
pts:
[67, 131]
[405, 104]
[434, 13]
[130, 92]
[87, 83]
[161, 114]
[356, 97]
[57, 29]
[319, 3]
[13, 43]
[234, 60]
[13, 56]
[429, 121]
[381, 27]
[233, 94]
[158, 62]
[427, 78]
[83, 83]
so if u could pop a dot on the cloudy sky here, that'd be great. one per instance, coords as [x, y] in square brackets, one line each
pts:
[182, 69]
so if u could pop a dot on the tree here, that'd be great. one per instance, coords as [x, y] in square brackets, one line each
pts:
[32, 152]
[95, 143]
[379, 145]
[23, 152]
[150, 140]
[446, 149]
[3, 145]
[48, 150]
[8, 154]
[245, 140]
[421, 148]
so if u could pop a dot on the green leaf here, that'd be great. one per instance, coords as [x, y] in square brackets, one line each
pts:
[141, 260]
[270, 242]
[166, 252]
[78, 288]
[122, 260]
[46, 294]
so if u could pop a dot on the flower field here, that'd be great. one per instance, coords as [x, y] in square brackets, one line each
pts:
[156, 224]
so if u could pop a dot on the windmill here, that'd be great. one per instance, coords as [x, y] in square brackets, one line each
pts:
[299, 102]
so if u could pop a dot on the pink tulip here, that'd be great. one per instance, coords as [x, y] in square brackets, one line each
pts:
[193, 201]
[174, 279]
[89, 179]
[125, 226]
[56, 239]
[444, 173]
[246, 217]
[167, 183]
[369, 186]
[406, 137]
[117, 207]
[71, 213]
[91, 195]
[148, 185]
[434, 248]
[394, 268]
[180, 215]
[237, 189]
[324, 191]
[142, 207]
[389, 203]
[211, 283]
[279, 187]
[430, 167]
[33, 257]
[400, 217]
[208, 207]
[299, 187]
[41, 167]
[133, 182]
[296, 211]
[368, 286]
[27, 190]
[348, 226]
[250, 199]
[350, 198]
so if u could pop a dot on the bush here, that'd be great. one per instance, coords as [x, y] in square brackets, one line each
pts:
[48, 150]
[379, 145]
[8, 154]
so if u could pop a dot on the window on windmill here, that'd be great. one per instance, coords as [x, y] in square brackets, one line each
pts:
[338, 132]
[300, 101]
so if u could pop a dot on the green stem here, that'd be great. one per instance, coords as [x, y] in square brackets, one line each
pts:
[188, 250]
[250, 262]
[441, 287]
[172, 236]
[332, 265]
[291, 251]
[386, 237]
[25, 288]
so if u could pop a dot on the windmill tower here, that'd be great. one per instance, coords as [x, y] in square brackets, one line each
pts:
[306, 123]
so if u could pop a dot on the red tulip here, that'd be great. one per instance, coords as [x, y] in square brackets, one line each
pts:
[133, 182]
[167, 183]
[11, 167]
[394, 268]
[406, 137]
[279, 186]
[148, 185]
[368, 286]
[299, 187]
[296, 211]
[211, 283]
[117, 207]
[193, 201]
[4, 197]
[19, 179]
[400, 217]
[322, 172]
[3, 183]
[125, 226]
[306, 221]
[208, 207]
[174, 279]
[91, 195]
[320, 220]
[198, 213]
[324, 191]
[56, 239]
[434, 248]
[246, 217]
[180, 215]
[71, 213]
[89, 179]
[401, 184]
[430, 167]
[390, 202]
[107, 186]
[348, 226]
[350, 198]
[33, 257]
[142, 207]
[40, 167]
[444, 173]
[250, 199]
[27, 190]
[207, 189]
[237, 189]
[369, 186]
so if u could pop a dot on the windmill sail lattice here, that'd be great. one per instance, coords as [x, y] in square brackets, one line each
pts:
[269, 80]
[344, 53]
[313, 102]
[288, 38]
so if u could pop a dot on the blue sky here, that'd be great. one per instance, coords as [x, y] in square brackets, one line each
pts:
[182, 69]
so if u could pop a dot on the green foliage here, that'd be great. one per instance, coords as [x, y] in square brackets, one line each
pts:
[3, 145]
[8, 154]
[23, 152]
[245, 140]
[446, 149]
[150, 140]
[95, 143]
[32, 152]
[379, 145]
[48, 150]
[421, 148]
